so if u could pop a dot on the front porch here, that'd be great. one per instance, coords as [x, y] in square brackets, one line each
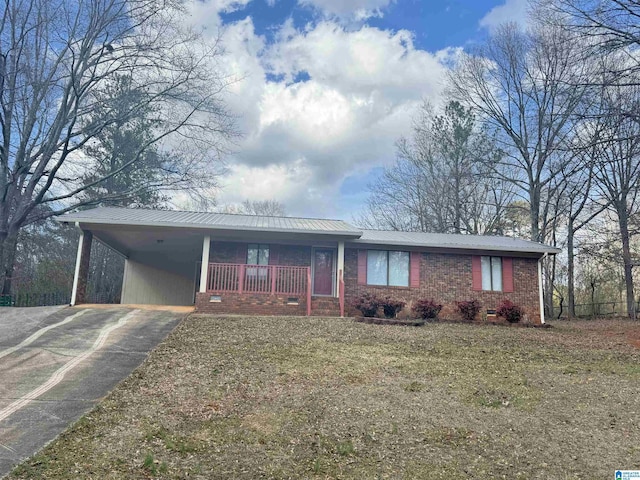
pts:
[271, 278]
[265, 289]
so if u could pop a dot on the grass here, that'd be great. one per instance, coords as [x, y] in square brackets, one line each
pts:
[328, 398]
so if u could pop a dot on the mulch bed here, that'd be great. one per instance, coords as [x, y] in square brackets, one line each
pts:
[391, 321]
[420, 323]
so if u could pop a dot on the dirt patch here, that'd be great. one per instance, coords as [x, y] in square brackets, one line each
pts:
[240, 397]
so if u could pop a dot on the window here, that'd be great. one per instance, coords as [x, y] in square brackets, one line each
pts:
[491, 273]
[257, 255]
[388, 268]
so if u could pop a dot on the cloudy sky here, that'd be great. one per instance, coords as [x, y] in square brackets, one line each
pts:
[326, 87]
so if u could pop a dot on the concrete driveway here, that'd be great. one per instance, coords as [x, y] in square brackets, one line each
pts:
[56, 365]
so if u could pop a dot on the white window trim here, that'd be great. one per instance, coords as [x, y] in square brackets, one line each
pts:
[387, 284]
[491, 279]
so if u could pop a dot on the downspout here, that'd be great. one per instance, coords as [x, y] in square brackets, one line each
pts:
[540, 287]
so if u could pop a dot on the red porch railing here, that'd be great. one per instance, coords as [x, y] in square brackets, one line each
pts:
[341, 292]
[265, 279]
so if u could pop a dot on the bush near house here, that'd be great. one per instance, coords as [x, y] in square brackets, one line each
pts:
[391, 306]
[426, 309]
[469, 309]
[509, 311]
[367, 304]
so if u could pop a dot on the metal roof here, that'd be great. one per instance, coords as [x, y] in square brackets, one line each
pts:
[209, 221]
[452, 241]
[261, 223]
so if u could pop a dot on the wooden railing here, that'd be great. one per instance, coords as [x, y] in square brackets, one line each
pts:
[264, 279]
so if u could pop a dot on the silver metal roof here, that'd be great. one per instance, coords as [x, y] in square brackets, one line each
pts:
[209, 221]
[260, 223]
[459, 242]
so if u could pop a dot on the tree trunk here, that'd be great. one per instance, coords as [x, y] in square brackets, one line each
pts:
[571, 299]
[534, 215]
[626, 257]
[8, 247]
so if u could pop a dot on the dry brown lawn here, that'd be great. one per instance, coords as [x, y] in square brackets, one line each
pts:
[241, 397]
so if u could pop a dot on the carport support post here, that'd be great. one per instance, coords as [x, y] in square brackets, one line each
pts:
[204, 266]
[540, 288]
[80, 277]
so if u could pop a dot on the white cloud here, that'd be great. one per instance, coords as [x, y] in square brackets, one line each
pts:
[358, 93]
[510, 11]
[349, 9]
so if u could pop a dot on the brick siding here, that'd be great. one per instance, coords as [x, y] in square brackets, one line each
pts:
[250, 304]
[446, 278]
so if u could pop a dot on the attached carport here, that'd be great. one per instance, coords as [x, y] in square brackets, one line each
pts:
[160, 263]
[167, 252]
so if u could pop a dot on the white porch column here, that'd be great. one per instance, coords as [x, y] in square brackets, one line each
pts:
[76, 274]
[540, 288]
[204, 267]
[340, 266]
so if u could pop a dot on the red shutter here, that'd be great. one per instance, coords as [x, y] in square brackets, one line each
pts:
[507, 274]
[362, 267]
[274, 254]
[414, 269]
[476, 273]
[241, 253]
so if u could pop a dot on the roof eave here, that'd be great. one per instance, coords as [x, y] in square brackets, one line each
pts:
[200, 226]
[540, 251]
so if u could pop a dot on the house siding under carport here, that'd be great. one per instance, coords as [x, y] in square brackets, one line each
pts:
[156, 281]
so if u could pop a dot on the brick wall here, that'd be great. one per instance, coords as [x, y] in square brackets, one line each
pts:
[446, 278]
[248, 304]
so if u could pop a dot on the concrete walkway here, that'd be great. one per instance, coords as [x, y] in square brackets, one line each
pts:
[56, 367]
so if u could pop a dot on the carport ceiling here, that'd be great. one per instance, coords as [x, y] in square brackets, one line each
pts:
[160, 241]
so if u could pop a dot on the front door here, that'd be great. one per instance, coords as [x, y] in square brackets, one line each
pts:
[323, 271]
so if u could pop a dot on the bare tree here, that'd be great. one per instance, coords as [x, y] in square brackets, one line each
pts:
[609, 26]
[617, 168]
[523, 84]
[272, 208]
[439, 182]
[264, 207]
[58, 61]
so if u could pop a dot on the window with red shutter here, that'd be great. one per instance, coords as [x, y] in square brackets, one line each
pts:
[414, 269]
[507, 274]
[362, 267]
[476, 272]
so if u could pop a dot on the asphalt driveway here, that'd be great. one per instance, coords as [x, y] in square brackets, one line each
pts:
[56, 365]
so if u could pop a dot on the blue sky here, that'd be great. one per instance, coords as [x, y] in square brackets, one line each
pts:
[324, 88]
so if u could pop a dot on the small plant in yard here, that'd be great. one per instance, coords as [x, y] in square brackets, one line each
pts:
[414, 387]
[469, 309]
[509, 311]
[391, 307]
[367, 304]
[346, 448]
[150, 464]
[426, 309]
